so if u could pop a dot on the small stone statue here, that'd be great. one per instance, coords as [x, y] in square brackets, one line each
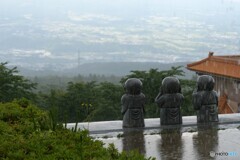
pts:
[133, 104]
[205, 100]
[170, 100]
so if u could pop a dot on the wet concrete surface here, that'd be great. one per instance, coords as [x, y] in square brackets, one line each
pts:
[187, 141]
[177, 144]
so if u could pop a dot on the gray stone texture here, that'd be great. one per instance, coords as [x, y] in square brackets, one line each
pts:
[170, 100]
[133, 104]
[205, 100]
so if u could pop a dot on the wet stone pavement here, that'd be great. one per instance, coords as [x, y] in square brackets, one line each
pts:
[187, 141]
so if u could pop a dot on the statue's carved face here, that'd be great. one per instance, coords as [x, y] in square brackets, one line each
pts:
[171, 85]
[205, 83]
[133, 86]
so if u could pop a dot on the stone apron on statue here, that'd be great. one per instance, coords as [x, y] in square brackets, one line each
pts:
[208, 113]
[170, 116]
[134, 114]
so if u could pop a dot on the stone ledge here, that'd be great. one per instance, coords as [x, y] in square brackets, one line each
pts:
[150, 123]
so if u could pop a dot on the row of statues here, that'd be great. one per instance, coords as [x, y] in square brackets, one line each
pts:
[169, 100]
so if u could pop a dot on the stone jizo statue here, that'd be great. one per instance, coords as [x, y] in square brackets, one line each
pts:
[205, 100]
[133, 102]
[170, 100]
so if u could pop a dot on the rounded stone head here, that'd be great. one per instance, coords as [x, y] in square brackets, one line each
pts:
[205, 83]
[133, 86]
[170, 85]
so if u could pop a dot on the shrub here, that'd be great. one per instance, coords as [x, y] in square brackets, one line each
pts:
[27, 133]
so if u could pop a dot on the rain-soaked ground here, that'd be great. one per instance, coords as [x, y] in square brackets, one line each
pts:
[187, 141]
[222, 142]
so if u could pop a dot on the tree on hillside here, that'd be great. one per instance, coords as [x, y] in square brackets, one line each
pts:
[78, 101]
[90, 101]
[108, 102]
[13, 85]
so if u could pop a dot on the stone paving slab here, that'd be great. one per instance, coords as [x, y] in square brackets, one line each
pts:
[150, 123]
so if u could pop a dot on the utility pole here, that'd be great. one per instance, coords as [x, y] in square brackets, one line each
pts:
[78, 61]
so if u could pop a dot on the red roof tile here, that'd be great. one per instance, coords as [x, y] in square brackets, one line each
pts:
[228, 66]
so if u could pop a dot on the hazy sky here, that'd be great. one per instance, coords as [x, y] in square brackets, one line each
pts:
[56, 33]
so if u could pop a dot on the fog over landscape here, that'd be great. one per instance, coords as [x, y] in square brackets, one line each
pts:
[62, 35]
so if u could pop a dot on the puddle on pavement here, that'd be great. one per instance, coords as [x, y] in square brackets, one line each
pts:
[175, 144]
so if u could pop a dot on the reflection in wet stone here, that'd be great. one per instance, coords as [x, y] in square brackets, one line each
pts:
[171, 144]
[205, 141]
[133, 139]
